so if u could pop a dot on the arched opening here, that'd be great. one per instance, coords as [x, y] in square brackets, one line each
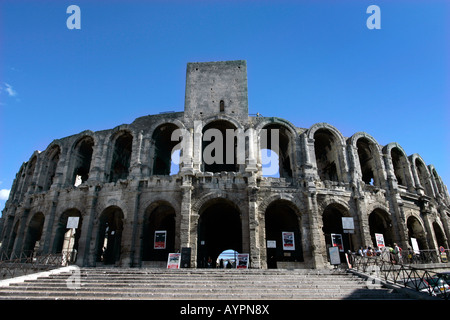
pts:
[270, 163]
[283, 235]
[219, 228]
[226, 259]
[110, 235]
[12, 238]
[34, 233]
[438, 181]
[164, 149]
[327, 159]
[29, 174]
[415, 230]
[423, 176]
[158, 238]
[277, 139]
[380, 222]
[66, 239]
[440, 236]
[121, 157]
[400, 164]
[51, 165]
[219, 146]
[82, 160]
[366, 155]
[333, 230]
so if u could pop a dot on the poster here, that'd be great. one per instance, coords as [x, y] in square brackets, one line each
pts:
[242, 261]
[173, 262]
[380, 240]
[288, 241]
[336, 241]
[335, 258]
[160, 240]
[415, 245]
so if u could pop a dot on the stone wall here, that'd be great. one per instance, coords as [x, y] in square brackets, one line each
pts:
[121, 185]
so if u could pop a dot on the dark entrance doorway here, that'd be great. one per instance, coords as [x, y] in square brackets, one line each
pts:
[281, 218]
[332, 224]
[162, 219]
[110, 235]
[219, 229]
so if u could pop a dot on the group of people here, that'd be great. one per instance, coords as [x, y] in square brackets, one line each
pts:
[388, 253]
[227, 264]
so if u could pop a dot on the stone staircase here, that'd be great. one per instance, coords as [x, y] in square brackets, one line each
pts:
[194, 284]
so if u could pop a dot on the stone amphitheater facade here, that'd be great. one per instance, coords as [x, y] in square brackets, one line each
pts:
[119, 184]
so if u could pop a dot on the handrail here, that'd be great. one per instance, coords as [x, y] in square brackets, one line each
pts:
[25, 262]
[421, 280]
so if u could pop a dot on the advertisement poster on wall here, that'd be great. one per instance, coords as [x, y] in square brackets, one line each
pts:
[242, 261]
[288, 241]
[336, 241]
[173, 262]
[380, 240]
[160, 239]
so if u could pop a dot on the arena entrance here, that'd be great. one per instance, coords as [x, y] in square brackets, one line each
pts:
[219, 229]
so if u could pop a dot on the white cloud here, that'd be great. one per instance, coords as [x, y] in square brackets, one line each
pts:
[9, 89]
[4, 194]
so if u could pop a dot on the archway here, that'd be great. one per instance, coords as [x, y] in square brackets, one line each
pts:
[219, 228]
[158, 236]
[282, 233]
[82, 158]
[121, 157]
[379, 222]
[110, 235]
[327, 155]
[65, 239]
[219, 147]
[415, 230]
[34, 233]
[164, 149]
[333, 231]
[277, 138]
[440, 236]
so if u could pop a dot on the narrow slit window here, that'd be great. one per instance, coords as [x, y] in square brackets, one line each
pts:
[222, 106]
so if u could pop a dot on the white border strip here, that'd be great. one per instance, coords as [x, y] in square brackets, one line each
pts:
[34, 276]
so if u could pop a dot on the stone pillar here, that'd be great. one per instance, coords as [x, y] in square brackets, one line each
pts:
[317, 261]
[86, 246]
[187, 234]
[253, 224]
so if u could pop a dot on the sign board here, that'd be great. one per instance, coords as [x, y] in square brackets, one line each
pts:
[444, 257]
[441, 249]
[415, 245]
[160, 239]
[72, 222]
[380, 240]
[288, 241]
[242, 261]
[271, 244]
[336, 241]
[335, 258]
[347, 223]
[173, 261]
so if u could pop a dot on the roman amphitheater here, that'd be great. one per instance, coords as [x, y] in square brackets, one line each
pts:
[134, 209]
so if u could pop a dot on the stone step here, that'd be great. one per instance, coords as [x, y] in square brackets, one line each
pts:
[196, 284]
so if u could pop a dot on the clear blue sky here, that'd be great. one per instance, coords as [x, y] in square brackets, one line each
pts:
[308, 62]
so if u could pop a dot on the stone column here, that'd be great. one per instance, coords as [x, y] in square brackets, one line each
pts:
[187, 239]
[317, 261]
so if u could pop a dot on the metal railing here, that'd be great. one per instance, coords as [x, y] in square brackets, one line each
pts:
[14, 265]
[421, 280]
